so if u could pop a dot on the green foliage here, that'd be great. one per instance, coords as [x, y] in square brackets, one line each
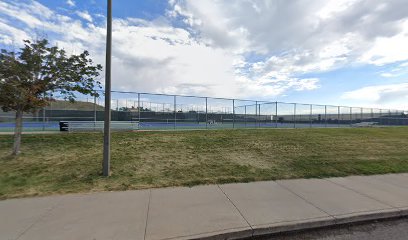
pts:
[30, 78]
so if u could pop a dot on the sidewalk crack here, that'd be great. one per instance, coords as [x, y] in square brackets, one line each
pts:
[304, 199]
[252, 230]
[362, 194]
[39, 219]
[147, 213]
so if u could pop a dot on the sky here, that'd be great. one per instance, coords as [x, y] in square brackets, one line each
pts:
[339, 52]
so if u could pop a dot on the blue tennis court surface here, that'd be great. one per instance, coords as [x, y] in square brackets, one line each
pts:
[54, 126]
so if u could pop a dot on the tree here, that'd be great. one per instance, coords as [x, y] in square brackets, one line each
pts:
[30, 78]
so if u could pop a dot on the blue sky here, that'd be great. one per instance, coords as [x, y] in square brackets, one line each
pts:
[348, 52]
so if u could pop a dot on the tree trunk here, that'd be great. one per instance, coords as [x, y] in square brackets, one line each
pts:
[17, 132]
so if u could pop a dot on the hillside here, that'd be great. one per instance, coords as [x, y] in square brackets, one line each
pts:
[78, 105]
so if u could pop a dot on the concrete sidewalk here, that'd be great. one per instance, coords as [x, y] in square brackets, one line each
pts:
[216, 212]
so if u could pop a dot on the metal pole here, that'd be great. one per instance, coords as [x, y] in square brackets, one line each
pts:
[94, 113]
[138, 106]
[361, 118]
[43, 118]
[276, 114]
[245, 120]
[256, 113]
[351, 116]
[325, 116]
[389, 117]
[310, 116]
[338, 116]
[233, 113]
[294, 116]
[175, 111]
[259, 114]
[94, 108]
[107, 135]
[206, 114]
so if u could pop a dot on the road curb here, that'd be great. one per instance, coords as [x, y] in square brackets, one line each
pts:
[283, 227]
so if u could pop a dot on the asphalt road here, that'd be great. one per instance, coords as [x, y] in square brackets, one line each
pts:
[395, 229]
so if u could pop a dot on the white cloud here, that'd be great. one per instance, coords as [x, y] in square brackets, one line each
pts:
[392, 95]
[10, 35]
[302, 36]
[239, 49]
[70, 3]
[157, 57]
[84, 15]
[396, 71]
[389, 49]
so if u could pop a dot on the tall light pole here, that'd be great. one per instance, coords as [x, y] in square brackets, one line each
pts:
[107, 119]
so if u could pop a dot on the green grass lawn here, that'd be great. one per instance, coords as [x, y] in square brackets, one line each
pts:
[63, 163]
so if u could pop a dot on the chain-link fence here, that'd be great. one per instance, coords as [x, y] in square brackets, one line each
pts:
[165, 112]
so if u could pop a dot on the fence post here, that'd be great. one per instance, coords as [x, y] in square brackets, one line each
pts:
[206, 113]
[276, 114]
[351, 116]
[259, 115]
[338, 116]
[245, 120]
[310, 116]
[361, 118]
[294, 115]
[94, 108]
[233, 113]
[175, 112]
[389, 117]
[138, 107]
[325, 116]
[43, 119]
[256, 113]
